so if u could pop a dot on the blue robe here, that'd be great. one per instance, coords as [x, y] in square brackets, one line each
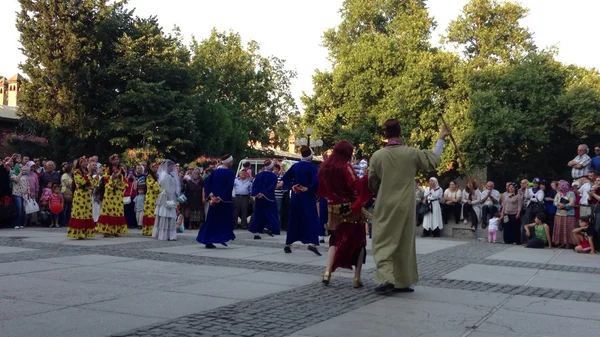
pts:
[265, 213]
[218, 227]
[323, 216]
[303, 222]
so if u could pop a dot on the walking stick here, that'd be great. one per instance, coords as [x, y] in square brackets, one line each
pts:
[460, 156]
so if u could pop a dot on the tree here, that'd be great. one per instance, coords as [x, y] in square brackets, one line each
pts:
[373, 49]
[68, 47]
[153, 81]
[254, 90]
[527, 121]
[488, 32]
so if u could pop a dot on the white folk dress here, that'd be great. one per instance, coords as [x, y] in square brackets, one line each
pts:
[165, 223]
[433, 220]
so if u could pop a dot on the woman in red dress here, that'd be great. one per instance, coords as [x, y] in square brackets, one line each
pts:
[346, 195]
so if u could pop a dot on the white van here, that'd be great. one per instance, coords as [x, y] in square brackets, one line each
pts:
[256, 164]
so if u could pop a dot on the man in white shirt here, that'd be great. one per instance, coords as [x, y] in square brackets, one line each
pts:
[580, 165]
[584, 205]
[242, 187]
[490, 198]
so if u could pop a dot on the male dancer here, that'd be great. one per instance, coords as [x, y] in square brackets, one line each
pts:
[218, 186]
[265, 217]
[392, 177]
[303, 223]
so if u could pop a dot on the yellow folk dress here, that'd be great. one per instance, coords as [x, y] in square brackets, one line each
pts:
[152, 192]
[81, 225]
[112, 214]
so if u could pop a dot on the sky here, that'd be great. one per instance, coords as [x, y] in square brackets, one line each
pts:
[293, 30]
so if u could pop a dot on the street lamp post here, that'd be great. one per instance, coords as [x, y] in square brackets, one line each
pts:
[307, 141]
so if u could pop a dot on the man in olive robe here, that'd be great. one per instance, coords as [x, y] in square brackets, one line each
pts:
[392, 173]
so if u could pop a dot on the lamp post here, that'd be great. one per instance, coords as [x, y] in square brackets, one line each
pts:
[314, 143]
[309, 132]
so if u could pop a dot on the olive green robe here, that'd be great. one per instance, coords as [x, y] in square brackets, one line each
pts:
[392, 173]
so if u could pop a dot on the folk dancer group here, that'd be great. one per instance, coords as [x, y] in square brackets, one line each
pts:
[163, 188]
[390, 179]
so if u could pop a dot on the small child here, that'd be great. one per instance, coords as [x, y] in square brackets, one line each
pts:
[57, 204]
[493, 227]
[584, 236]
[179, 219]
[139, 200]
[541, 236]
[46, 194]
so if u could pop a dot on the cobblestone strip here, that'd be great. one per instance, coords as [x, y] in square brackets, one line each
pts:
[275, 315]
[512, 290]
[533, 265]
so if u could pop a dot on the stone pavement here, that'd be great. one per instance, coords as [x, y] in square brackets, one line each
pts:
[137, 286]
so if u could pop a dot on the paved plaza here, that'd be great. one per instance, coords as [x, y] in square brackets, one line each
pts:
[136, 286]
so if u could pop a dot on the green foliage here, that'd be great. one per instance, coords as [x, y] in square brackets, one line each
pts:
[527, 120]
[512, 108]
[488, 32]
[103, 80]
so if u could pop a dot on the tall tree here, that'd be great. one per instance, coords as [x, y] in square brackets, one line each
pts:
[68, 47]
[154, 82]
[489, 32]
[255, 90]
[377, 43]
[528, 120]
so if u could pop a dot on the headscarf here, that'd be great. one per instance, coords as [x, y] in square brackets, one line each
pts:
[435, 181]
[564, 186]
[196, 181]
[168, 178]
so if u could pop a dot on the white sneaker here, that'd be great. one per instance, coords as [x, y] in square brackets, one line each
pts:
[22, 227]
[16, 227]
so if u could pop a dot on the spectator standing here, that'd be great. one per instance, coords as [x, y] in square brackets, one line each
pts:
[580, 165]
[50, 175]
[490, 198]
[595, 163]
[242, 187]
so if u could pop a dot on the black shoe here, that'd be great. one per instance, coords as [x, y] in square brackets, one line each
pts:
[210, 246]
[314, 250]
[224, 244]
[257, 237]
[404, 290]
[287, 249]
[269, 233]
[384, 288]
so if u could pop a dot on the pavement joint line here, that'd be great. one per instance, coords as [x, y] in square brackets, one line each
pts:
[531, 278]
[482, 320]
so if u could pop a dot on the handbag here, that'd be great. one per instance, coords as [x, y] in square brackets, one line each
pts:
[181, 199]
[536, 207]
[31, 206]
[424, 208]
[127, 200]
[171, 204]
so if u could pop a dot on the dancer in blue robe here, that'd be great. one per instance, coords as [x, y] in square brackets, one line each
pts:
[265, 217]
[303, 223]
[218, 186]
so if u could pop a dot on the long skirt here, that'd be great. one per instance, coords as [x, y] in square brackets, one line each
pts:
[129, 212]
[563, 230]
[165, 228]
[96, 206]
[512, 230]
[349, 240]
